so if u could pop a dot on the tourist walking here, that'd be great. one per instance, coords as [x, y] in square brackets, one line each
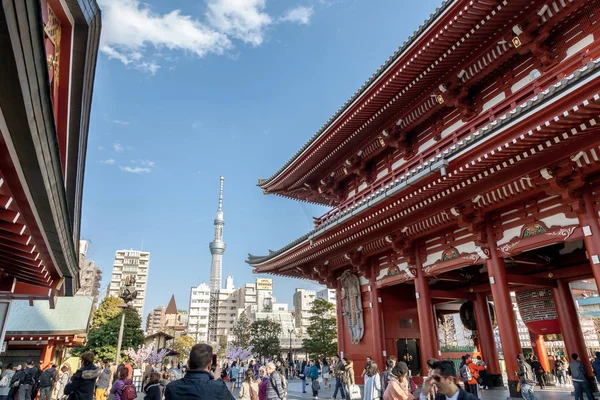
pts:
[313, 375]
[275, 389]
[348, 377]
[83, 381]
[103, 382]
[443, 375]
[153, 389]
[199, 382]
[526, 378]
[387, 374]
[5, 379]
[233, 374]
[539, 371]
[263, 382]
[118, 387]
[561, 371]
[338, 374]
[579, 375]
[305, 372]
[47, 381]
[325, 374]
[373, 388]
[63, 379]
[397, 386]
[596, 366]
[25, 380]
[249, 387]
[366, 368]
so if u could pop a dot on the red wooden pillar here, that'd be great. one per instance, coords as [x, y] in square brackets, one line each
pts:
[588, 220]
[47, 355]
[428, 347]
[569, 323]
[538, 345]
[377, 328]
[507, 323]
[486, 333]
[340, 319]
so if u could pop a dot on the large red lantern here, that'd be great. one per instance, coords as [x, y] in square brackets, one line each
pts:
[538, 311]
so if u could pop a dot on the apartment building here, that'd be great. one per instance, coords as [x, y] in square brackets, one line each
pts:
[130, 262]
[303, 300]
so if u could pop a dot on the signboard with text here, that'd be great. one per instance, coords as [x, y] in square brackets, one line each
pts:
[264, 284]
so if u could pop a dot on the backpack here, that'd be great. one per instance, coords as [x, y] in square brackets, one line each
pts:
[128, 392]
[27, 377]
[465, 373]
[46, 379]
[315, 385]
[5, 381]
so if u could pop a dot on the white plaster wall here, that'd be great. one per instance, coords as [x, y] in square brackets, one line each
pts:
[559, 219]
[426, 145]
[452, 128]
[493, 101]
[398, 163]
[510, 234]
[580, 45]
[382, 173]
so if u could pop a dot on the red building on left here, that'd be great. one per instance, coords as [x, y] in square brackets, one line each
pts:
[48, 51]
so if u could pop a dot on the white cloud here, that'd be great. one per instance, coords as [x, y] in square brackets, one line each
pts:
[245, 20]
[130, 27]
[149, 67]
[118, 148]
[139, 37]
[135, 170]
[110, 161]
[146, 163]
[300, 15]
[119, 122]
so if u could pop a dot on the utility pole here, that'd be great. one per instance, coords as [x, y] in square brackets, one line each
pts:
[128, 294]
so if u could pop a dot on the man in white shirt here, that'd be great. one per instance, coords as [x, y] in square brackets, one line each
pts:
[444, 377]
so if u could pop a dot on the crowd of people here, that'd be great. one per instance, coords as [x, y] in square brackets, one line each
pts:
[202, 379]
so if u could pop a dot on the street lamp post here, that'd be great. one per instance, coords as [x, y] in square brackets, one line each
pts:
[128, 294]
[290, 331]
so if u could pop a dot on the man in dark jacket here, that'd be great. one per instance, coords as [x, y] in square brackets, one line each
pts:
[338, 372]
[579, 376]
[596, 366]
[83, 381]
[198, 383]
[444, 377]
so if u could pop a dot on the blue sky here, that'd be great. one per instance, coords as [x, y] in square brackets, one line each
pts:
[187, 91]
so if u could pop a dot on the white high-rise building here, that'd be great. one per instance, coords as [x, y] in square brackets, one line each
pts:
[130, 262]
[327, 295]
[198, 315]
[303, 299]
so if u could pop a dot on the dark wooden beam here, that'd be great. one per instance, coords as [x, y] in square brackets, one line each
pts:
[451, 295]
[528, 280]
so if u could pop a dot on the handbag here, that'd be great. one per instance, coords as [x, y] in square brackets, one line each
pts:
[301, 376]
[354, 392]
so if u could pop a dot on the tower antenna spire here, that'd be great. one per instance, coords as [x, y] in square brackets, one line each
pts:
[221, 194]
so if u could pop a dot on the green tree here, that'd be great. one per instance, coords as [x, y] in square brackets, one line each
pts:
[104, 332]
[322, 331]
[221, 345]
[183, 345]
[265, 338]
[108, 310]
[241, 331]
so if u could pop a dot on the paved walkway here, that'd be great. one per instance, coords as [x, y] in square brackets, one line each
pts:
[295, 393]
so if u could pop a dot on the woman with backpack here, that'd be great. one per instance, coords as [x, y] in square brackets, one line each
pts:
[153, 388]
[372, 382]
[249, 388]
[121, 388]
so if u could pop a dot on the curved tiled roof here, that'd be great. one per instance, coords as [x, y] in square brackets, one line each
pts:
[393, 58]
[546, 95]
